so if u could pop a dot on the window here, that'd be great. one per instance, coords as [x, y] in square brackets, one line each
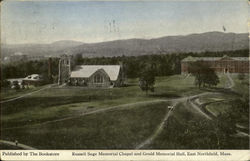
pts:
[98, 78]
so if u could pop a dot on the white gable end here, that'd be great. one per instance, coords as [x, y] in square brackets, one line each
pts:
[85, 71]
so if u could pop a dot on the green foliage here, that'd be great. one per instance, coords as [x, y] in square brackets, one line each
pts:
[165, 63]
[16, 85]
[22, 85]
[204, 75]
[216, 134]
[22, 69]
[77, 59]
[224, 128]
[147, 79]
[46, 79]
[185, 129]
[200, 134]
[5, 83]
[240, 110]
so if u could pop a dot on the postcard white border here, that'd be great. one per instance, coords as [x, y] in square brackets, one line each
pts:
[67, 155]
[125, 155]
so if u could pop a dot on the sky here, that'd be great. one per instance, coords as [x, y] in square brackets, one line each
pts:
[98, 21]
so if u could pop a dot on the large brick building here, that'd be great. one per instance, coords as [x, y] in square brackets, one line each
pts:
[223, 64]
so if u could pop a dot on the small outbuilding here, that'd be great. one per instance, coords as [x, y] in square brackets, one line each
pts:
[33, 79]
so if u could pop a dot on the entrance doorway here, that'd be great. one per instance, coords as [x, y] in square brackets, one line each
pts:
[225, 70]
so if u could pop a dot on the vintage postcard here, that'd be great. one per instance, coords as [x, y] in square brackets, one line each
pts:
[124, 80]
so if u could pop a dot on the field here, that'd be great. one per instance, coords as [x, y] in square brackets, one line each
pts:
[12, 93]
[186, 129]
[117, 118]
[122, 128]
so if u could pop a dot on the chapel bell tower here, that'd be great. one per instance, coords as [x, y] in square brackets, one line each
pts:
[64, 69]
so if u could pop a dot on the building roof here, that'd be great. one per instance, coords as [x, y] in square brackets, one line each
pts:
[33, 77]
[85, 71]
[15, 79]
[191, 59]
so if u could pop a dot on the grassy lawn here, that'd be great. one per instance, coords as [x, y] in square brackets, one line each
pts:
[223, 81]
[55, 103]
[218, 107]
[12, 93]
[176, 127]
[9, 147]
[39, 115]
[121, 128]
[187, 130]
[241, 86]
[176, 86]
[211, 99]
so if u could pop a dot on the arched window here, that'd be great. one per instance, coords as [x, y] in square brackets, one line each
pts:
[98, 78]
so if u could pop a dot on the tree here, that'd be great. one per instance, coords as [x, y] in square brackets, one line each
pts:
[147, 79]
[210, 77]
[16, 85]
[5, 83]
[204, 75]
[22, 85]
[77, 59]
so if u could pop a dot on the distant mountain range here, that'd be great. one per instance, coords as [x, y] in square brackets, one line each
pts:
[38, 49]
[210, 41]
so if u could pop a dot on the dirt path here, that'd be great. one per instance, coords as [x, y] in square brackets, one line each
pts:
[27, 94]
[158, 130]
[241, 127]
[149, 140]
[242, 134]
[18, 145]
[187, 76]
[232, 84]
[164, 121]
[103, 110]
[199, 110]
[106, 109]
[239, 133]
[88, 113]
[198, 107]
